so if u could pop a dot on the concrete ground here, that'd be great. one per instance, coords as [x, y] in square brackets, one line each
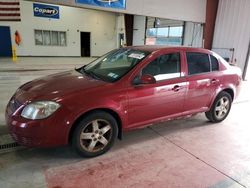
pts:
[183, 153]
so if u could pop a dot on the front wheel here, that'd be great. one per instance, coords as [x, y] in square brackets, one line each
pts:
[220, 108]
[95, 134]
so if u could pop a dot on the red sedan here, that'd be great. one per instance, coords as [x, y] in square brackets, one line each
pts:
[125, 89]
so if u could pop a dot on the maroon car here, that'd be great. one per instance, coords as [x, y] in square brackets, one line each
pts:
[125, 89]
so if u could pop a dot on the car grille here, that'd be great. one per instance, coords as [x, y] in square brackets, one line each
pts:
[26, 141]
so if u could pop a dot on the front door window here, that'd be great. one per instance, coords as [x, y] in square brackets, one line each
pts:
[164, 67]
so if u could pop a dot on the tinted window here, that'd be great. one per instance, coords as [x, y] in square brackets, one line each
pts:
[164, 67]
[214, 63]
[197, 63]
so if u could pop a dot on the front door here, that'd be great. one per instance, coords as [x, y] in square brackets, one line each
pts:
[5, 42]
[165, 98]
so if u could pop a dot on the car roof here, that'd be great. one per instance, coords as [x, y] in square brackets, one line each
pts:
[153, 48]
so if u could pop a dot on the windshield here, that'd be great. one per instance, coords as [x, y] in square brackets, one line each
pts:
[115, 64]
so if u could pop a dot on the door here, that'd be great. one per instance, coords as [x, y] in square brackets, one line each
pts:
[203, 79]
[165, 98]
[5, 42]
[85, 44]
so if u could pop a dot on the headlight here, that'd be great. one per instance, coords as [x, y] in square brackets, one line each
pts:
[39, 109]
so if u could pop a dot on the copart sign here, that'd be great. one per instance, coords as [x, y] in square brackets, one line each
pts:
[47, 11]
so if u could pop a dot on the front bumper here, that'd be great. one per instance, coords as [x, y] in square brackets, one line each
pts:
[49, 132]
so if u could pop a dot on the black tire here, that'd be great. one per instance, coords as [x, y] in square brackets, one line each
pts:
[213, 114]
[86, 134]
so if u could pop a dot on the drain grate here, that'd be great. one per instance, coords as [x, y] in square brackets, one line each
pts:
[7, 144]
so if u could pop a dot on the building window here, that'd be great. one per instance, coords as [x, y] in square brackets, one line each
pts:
[175, 31]
[55, 36]
[171, 35]
[62, 38]
[38, 37]
[50, 38]
[46, 38]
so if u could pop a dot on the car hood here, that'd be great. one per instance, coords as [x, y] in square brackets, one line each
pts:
[57, 85]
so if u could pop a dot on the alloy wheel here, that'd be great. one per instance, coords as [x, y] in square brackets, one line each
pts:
[222, 107]
[96, 135]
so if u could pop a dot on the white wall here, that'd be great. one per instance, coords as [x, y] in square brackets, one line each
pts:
[102, 26]
[193, 35]
[232, 28]
[186, 10]
[121, 29]
[139, 30]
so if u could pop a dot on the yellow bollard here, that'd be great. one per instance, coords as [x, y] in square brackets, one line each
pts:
[14, 56]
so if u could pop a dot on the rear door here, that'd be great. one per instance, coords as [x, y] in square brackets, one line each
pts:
[165, 98]
[203, 79]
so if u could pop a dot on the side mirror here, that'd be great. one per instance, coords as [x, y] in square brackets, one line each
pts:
[144, 79]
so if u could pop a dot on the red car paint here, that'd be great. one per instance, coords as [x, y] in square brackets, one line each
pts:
[134, 106]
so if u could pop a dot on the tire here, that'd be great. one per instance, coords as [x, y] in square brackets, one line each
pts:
[95, 134]
[220, 108]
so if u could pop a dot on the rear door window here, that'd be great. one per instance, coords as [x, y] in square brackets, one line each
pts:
[197, 63]
[214, 63]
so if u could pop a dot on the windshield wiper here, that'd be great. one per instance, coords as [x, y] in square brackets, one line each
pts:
[89, 73]
[93, 75]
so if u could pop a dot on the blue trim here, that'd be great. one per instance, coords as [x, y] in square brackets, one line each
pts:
[118, 4]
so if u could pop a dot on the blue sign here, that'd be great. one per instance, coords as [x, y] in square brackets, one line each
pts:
[120, 4]
[47, 11]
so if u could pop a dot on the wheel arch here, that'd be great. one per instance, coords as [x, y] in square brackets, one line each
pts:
[107, 110]
[211, 116]
[229, 90]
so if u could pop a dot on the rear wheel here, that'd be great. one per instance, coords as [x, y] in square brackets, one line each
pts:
[220, 108]
[95, 134]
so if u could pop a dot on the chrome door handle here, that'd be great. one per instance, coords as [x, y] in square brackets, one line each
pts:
[214, 81]
[176, 88]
